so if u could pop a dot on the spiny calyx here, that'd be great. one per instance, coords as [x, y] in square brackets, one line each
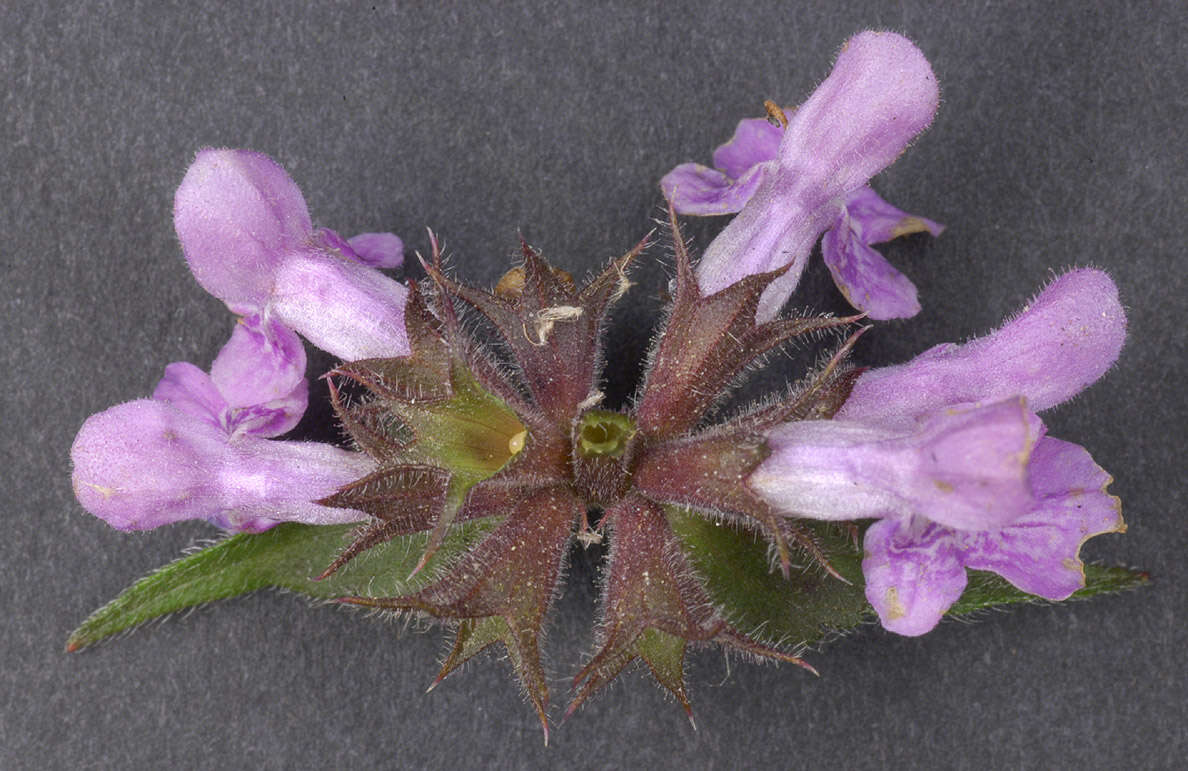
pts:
[459, 437]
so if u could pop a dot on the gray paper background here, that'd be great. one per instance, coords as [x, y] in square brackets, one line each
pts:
[1059, 142]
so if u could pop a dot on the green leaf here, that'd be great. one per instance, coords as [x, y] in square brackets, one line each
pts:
[287, 556]
[988, 590]
[758, 601]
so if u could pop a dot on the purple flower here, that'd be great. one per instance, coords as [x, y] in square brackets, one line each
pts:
[946, 452]
[198, 448]
[256, 384]
[148, 463]
[964, 467]
[791, 185]
[248, 238]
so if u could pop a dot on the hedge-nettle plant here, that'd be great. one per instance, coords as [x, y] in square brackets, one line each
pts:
[900, 493]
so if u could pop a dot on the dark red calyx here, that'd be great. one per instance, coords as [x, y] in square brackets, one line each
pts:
[552, 328]
[653, 605]
[709, 472]
[502, 588]
[707, 343]
[423, 416]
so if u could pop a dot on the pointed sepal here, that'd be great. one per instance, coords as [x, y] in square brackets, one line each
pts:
[654, 605]
[550, 326]
[709, 472]
[407, 495]
[472, 637]
[707, 342]
[503, 587]
[817, 396]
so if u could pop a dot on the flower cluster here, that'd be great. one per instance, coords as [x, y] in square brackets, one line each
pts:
[468, 478]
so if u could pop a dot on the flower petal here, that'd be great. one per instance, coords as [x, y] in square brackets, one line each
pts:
[1061, 343]
[755, 141]
[145, 463]
[237, 212]
[880, 94]
[966, 469]
[192, 391]
[272, 418]
[701, 191]
[263, 361]
[345, 308]
[877, 221]
[375, 250]
[379, 250]
[913, 573]
[777, 227]
[864, 276]
[1040, 552]
[974, 465]
[261, 373]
